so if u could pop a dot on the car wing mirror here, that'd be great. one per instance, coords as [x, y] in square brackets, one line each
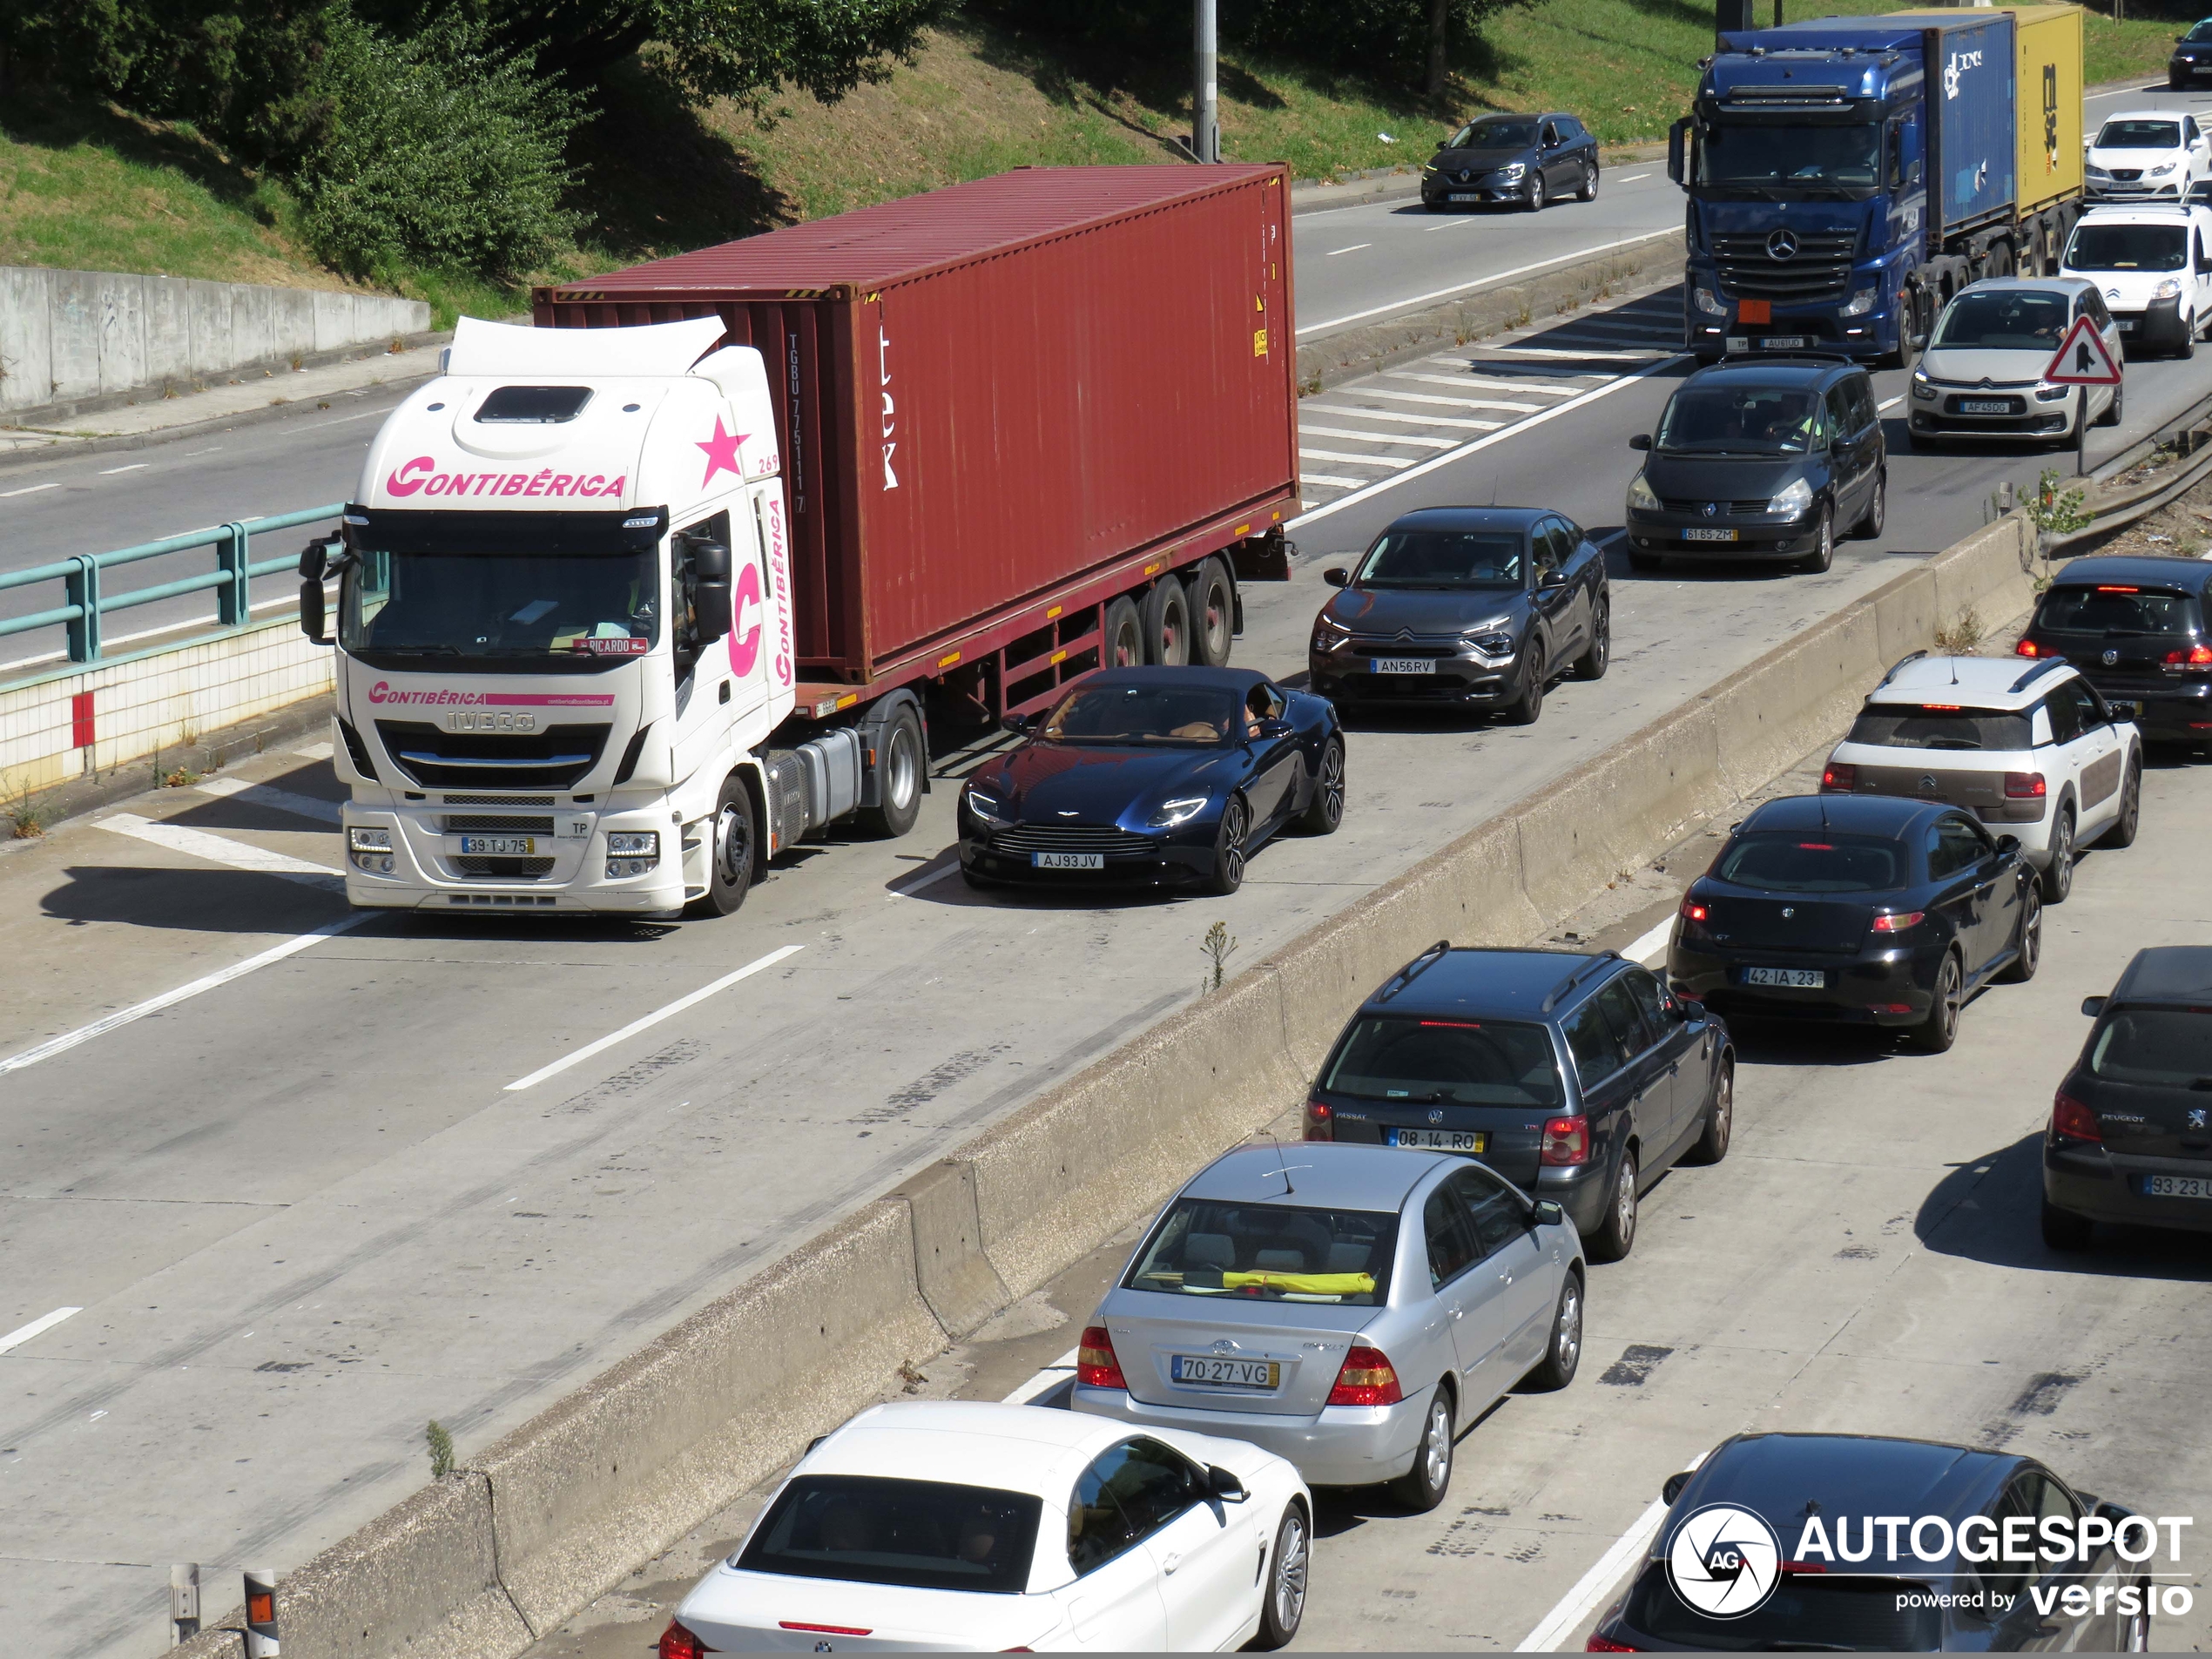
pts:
[1554, 577]
[1271, 731]
[2007, 844]
[2093, 1006]
[1223, 1484]
[1642, 441]
[1547, 1212]
[1020, 724]
[1673, 1488]
[1337, 576]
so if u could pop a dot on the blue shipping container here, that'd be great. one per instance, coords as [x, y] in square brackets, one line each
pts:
[1976, 137]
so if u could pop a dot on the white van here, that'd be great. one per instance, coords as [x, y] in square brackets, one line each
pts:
[2154, 266]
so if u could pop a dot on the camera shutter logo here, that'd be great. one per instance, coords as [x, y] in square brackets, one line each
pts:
[1723, 1562]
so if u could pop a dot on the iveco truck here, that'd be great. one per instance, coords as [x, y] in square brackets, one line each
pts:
[1847, 176]
[631, 601]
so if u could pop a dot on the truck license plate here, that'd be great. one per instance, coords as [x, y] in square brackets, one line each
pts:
[1403, 664]
[1984, 406]
[1707, 535]
[1801, 979]
[1067, 861]
[1784, 342]
[1207, 1372]
[499, 847]
[2176, 1186]
[1441, 1140]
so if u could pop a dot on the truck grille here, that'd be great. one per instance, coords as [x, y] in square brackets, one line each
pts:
[503, 869]
[1074, 838]
[499, 800]
[488, 823]
[1818, 270]
[554, 757]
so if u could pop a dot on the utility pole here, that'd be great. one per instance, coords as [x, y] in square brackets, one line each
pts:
[1205, 135]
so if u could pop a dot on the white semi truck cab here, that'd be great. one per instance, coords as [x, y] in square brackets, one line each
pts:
[564, 635]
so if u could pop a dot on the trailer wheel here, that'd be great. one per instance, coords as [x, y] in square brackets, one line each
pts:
[1213, 603]
[901, 757]
[1124, 645]
[1167, 624]
[733, 842]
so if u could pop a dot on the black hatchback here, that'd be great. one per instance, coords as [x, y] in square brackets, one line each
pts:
[2131, 1129]
[1875, 909]
[1767, 460]
[2136, 629]
[1523, 159]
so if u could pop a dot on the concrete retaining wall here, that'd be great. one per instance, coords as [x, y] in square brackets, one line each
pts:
[74, 334]
[562, 1508]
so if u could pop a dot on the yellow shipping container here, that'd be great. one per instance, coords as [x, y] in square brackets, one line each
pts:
[2046, 98]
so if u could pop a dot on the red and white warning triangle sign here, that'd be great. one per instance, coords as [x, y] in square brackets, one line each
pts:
[2082, 358]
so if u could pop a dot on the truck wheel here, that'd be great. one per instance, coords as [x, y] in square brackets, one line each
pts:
[1167, 624]
[1212, 604]
[1123, 645]
[732, 841]
[900, 760]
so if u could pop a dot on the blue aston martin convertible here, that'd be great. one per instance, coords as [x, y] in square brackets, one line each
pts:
[1170, 777]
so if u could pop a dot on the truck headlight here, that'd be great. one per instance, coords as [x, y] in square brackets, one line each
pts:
[1796, 499]
[1704, 300]
[1512, 172]
[369, 840]
[1640, 495]
[1861, 302]
[1172, 813]
[633, 844]
[2168, 289]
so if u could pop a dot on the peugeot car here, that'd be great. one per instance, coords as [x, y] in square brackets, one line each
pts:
[1526, 160]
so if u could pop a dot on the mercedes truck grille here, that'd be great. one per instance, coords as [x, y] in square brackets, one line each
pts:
[1816, 266]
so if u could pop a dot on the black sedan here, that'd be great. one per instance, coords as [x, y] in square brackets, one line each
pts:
[1524, 159]
[1470, 607]
[2131, 1129]
[1868, 908]
[1843, 1543]
[1168, 777]
[1769, 460]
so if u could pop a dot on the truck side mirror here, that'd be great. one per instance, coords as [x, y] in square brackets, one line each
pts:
[711, 561]
[1677, 143]
[710, 602]
[311, 614]
[314, 558]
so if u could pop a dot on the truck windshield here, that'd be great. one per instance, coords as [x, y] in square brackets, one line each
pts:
[1815, 158]
[553, 613]
[2139, 135]
[2021, 320]
[1739, 419]
[2127, 247]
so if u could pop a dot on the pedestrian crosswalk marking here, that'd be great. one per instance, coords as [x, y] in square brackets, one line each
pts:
[1376, 437]
[1357, 461]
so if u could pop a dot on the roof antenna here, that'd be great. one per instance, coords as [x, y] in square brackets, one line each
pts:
[1284, 1165]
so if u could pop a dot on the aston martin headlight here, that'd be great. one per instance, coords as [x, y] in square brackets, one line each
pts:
[983, 805]
[1640, 495]
[1512, 173]
[1172, 813]
[1796, 499]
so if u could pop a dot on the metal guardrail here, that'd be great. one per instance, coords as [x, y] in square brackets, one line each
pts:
[84, 604]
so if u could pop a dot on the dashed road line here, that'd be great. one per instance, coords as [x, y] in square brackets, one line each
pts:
[648, 1021]
[28, 490]
[1354, 248]
[24, 1333]
[136, 466]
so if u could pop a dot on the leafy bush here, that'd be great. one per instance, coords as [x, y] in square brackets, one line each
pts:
[440, 150]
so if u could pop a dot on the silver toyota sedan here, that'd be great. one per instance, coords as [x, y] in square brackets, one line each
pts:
[1344, 1307]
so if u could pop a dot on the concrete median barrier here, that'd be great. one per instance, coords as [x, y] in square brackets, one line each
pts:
[561, 1509]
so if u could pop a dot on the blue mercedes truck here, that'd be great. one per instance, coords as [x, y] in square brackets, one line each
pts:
[1846, 177]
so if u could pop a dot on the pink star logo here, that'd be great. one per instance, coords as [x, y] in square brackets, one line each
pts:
[722, 452]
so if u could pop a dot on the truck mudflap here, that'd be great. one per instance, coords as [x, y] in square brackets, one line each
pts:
[1263, 558]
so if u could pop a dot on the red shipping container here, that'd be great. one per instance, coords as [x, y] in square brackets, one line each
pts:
[1035, 386]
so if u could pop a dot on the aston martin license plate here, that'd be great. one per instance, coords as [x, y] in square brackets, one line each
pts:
[1707, 535]
[1798, 979]
[1067, 861]
[1984, 406]
[1208, 1371]
[499, 847]
[1441, 1140]
[1402, 664]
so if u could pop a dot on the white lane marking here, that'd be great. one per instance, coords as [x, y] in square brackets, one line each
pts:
[1354, 248]
[1375, 437]
[1451, 225]
[1470, 447]
[1620, 328]
[313, 751]
[28, 490]
[1546, 384]
[169, 999]
[283, 800]
[1357, 461]
[1891, 404]
[136, 466]
[1407, 420]
[929, 881]
[1580, 356]
[1464, 402]
[218, 849]
[1632, 177]
[1448, 402]
[24, 1333]
[1589, 1590]
[1326, 478]
[652, 1019]
[1652, 945]
[1483, 281]
[1044, 1381]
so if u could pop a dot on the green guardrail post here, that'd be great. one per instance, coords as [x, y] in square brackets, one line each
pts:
[82, 587]
[233, 600]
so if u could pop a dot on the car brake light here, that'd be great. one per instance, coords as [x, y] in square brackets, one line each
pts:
[1840, 774]
[1096, 1366]
[1599, 1644]
[2027, 647]
[1897, 922]
[1367, 1379]
[1939, 708]
[2024, 786]
[677, 1643]
[1319, 1124]
[2106, 590]
[2195, 656]
[1566, 1141]
[2072, 1121]
[1692, 911]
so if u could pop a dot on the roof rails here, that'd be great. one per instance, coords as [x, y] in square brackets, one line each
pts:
[2043, 667]
[1413, 970]
[1895, 667]
[1580, 974]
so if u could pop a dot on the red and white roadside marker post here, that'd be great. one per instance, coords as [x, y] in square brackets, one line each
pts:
[260, 1613]
[2082, 360]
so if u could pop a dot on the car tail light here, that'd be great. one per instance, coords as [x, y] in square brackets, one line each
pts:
[677, 1643]
[2196, 657]
[1096, 1366]
[2025, 786]
[1566, 1141]
[1692, 911]
[1367, 1379]
[1320, 1122]
[1840, 775]
[2072, 1121]
[1896, 922]
[2027, 647]
[1599, 1644]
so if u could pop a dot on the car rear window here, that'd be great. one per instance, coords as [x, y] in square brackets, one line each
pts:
[923, 1534]
[1276, 1252]
[2116, 610]
[1898, 725]
[1871, 1615]
[1822, 863]
[1466, 1063]
[2159, 1048]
